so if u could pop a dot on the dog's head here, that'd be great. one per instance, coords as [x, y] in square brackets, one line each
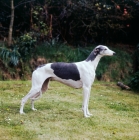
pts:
[100, 51]
[103, 51]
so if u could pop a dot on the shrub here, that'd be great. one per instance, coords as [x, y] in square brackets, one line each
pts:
[21, 50]
[134, 83]
[25, 45]
[10, 55]
[57, 51]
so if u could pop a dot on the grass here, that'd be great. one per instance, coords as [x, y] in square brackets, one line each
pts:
[59, 116]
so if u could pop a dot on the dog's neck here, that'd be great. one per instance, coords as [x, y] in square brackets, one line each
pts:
[95, 61]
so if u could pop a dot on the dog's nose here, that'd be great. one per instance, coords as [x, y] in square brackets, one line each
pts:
[114, 53]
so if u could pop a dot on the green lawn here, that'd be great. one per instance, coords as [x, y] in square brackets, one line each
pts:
[59, 116]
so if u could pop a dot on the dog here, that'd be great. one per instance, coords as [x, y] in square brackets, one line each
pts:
[76, 75]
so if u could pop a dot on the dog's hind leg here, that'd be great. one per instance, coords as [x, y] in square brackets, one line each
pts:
[31, 93]
[35, 97]
[38, 79]
[38, 95]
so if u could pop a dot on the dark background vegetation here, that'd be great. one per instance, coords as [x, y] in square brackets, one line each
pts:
[67, 30]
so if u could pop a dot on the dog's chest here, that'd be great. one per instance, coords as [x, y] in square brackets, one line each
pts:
[87, 72]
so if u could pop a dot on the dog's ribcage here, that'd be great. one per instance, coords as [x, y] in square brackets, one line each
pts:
[72, 74]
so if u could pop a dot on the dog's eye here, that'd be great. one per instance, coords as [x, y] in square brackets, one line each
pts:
[105, 49]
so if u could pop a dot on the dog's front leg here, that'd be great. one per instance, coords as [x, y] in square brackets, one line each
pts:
[22, 106]
[88, 113]
[86, 95]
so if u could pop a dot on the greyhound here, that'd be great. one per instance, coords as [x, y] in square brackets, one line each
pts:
[77, 75]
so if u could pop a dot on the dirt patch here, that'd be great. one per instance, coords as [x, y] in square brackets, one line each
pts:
[35, 62]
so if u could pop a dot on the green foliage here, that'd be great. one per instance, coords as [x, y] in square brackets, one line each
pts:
[38, 20]
[25, 45]
[21, 50]
[57, 51]
[9, 55]
[134, 83]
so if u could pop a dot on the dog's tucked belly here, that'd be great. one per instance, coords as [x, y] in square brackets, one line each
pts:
[71, 83]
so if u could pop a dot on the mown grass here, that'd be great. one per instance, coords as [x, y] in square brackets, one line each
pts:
[59, 116]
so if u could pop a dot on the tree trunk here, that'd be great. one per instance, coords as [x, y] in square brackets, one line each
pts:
[11, 24]
[50, 32]
[31, 20]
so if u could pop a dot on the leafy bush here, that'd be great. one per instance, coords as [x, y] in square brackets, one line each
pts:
[134, 83]
[57, 51]
[21, 50]
[10, 55]
[39, 20]
[25, 45]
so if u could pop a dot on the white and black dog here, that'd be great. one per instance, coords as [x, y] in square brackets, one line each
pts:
[76, 75]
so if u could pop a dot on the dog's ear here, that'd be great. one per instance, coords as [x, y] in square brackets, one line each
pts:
[96, 51]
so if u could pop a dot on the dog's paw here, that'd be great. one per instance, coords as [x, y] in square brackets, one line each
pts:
[22, 113]
[89, 114]
[86, 116]
[34, 109]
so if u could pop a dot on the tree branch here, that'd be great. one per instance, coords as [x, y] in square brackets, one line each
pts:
[24, 3]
